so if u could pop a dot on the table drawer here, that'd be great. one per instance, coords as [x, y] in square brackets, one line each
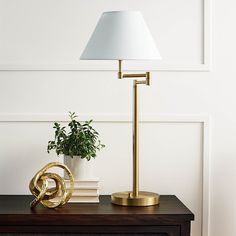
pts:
[92, 230]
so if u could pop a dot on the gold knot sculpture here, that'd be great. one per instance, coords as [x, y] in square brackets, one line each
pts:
[39, 187]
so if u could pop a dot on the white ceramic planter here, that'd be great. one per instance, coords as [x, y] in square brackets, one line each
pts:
[81, 168]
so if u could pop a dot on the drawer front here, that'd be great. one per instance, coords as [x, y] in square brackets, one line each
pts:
[165, 230]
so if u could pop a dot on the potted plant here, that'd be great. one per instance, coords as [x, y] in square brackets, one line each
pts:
[79, 145]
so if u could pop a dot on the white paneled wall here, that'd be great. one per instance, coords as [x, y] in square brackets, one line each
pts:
[172, 155]
[48, 35]
[41, 79]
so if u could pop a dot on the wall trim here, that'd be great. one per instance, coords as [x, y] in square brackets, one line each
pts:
[111, 66]
[146, 118]
[101, 117]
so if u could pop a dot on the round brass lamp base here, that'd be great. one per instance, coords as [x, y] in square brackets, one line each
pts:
[143, 199]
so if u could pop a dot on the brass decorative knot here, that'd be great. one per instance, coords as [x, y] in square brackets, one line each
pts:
[39, 187]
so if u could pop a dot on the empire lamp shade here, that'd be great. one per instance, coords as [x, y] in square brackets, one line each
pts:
[121, 35]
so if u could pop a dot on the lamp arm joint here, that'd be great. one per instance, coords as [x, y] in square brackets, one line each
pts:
[146, 75]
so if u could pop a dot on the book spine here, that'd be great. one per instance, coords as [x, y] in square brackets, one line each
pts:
[79, 192]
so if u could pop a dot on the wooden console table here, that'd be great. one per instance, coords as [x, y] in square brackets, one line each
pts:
[170, 218]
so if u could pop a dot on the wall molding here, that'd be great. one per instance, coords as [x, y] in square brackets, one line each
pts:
[102, 117]
[111, 66]
[147, 118]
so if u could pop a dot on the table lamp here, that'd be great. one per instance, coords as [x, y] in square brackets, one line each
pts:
[123, 35]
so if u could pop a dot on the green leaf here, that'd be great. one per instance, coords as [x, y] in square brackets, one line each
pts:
[81, 139]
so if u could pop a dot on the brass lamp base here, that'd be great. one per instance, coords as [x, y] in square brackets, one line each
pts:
[143, 199]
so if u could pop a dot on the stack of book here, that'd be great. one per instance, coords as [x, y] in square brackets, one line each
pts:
[85, 191]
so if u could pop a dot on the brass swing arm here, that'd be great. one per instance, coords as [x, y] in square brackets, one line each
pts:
[142, 75]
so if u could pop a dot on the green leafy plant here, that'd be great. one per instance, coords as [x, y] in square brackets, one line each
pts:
[81, 140]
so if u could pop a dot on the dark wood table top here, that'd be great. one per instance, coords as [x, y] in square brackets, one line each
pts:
[15, 210]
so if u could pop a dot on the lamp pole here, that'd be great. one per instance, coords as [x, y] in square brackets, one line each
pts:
[135, 197]
[136, 129]
[135, 140]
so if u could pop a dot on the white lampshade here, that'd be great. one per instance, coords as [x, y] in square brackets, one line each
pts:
[121, 35]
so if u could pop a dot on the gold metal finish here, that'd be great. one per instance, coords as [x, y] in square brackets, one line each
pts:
[133, 75]
[136, 197]
[120, 76]
[135, 141]
[127, 199]
[141, 75]
[39, 187]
